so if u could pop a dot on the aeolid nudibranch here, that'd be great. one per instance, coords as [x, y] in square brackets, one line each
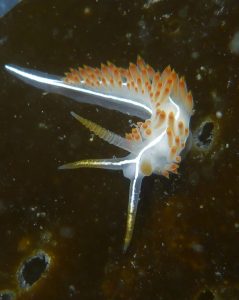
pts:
[161, 101]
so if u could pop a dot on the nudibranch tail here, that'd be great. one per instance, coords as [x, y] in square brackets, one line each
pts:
[134, 197]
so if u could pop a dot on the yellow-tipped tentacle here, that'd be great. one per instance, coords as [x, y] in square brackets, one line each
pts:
[87, 163]
[111, 164]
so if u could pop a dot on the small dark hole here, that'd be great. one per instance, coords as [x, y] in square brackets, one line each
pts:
[204, 135]
[32, 269]
[206, 295]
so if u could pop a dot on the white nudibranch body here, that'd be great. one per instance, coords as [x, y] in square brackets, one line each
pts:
[155, 143]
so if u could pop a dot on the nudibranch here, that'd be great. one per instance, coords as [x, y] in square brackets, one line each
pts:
[161, 101]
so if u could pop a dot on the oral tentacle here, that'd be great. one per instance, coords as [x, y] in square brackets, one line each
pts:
[110, 164]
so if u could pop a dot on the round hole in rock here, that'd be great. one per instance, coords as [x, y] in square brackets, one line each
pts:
[205, 295]
[32, 269]
[203, 136]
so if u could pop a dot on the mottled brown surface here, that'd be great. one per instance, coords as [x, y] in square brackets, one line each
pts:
[186, 240]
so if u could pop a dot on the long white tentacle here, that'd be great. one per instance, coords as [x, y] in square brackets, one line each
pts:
[56, 84]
